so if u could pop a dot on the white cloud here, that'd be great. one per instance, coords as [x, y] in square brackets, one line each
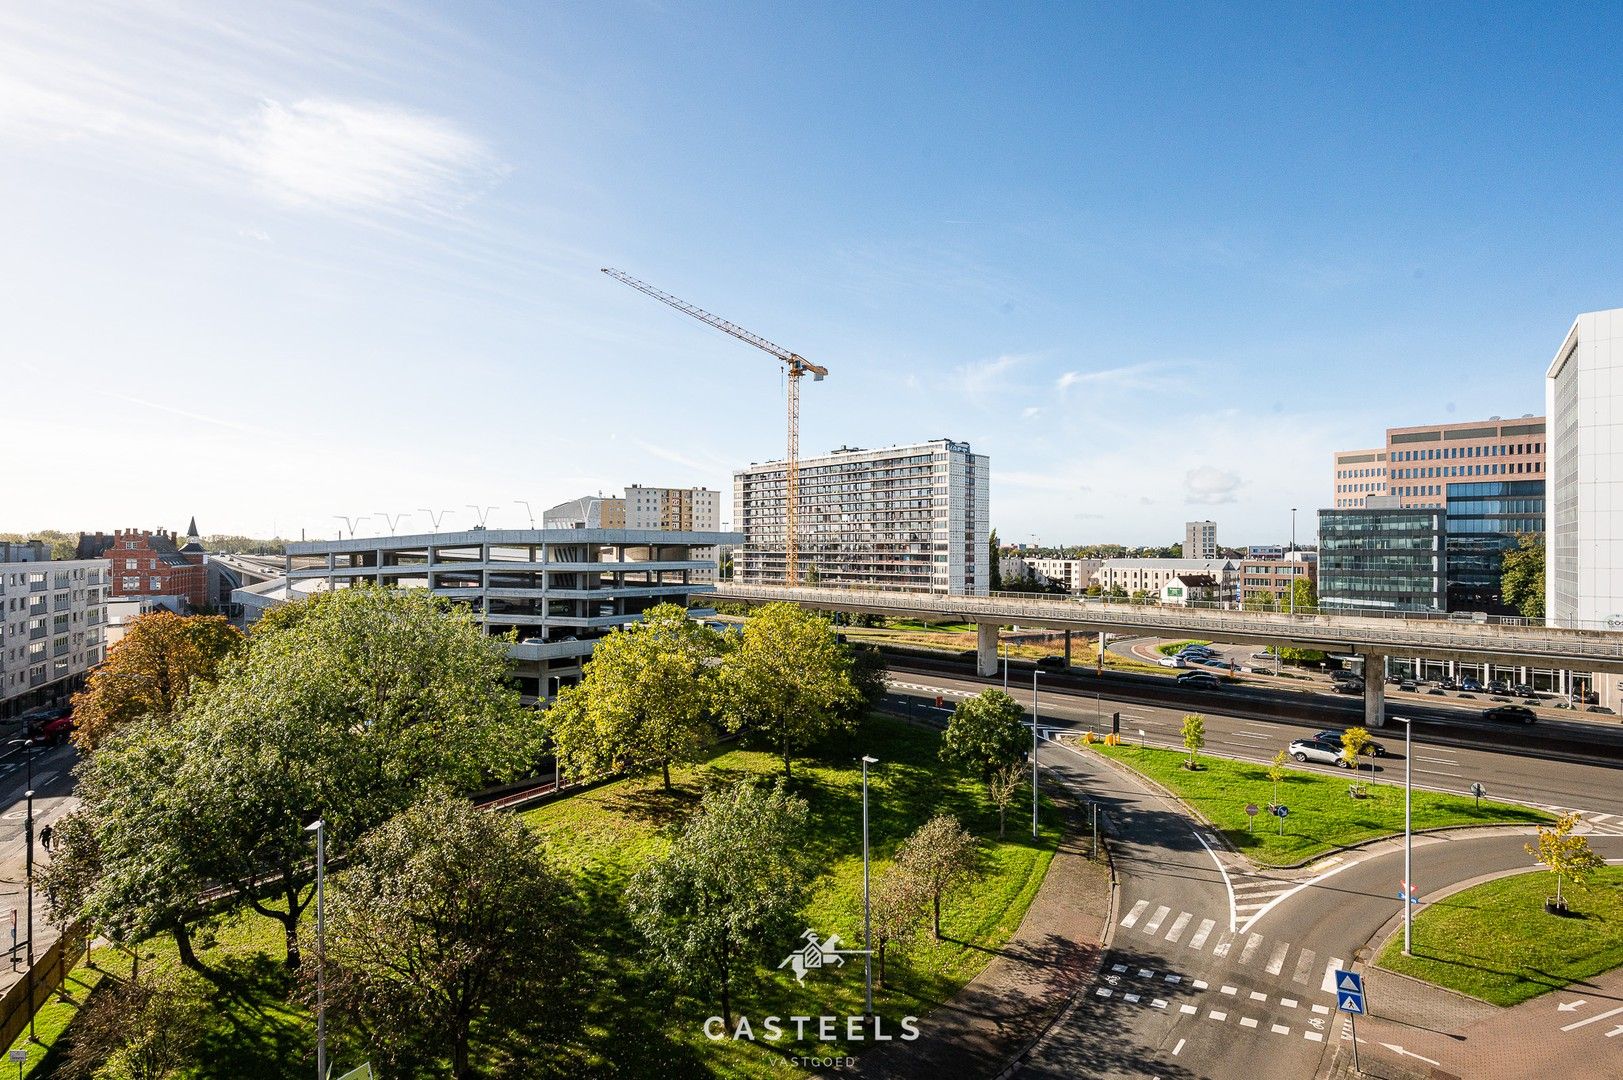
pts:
[1210, 485]
[986, 376]
[1150, 375]
[1030, 412]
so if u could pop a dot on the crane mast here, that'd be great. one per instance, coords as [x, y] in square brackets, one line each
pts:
[797, 367]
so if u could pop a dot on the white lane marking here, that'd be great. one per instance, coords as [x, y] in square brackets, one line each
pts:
[1221, 869]
[1281, 1029]
[1229, 990]
[1289, 1003]
[1199, 984]
[1282, 897]
[1252, 944]
[1248, 735]
[1329, 983]
[1158, 1003]
[1304, 964]
[1593, 1019]
[1436, 760]
[1322, 1010]
[1201, 933]
[1188, 1010]
[1246, 1021]
[1277, 961]
[1174, 979]
[1155, 920]
[1177, 1048]
[1132, 916]
[1103, 991]
[1258, 996]
[1218, 1016]
[1313, 1036]
[1225, 939]
[1178, 925]
[1130, 997]
[1434, 772]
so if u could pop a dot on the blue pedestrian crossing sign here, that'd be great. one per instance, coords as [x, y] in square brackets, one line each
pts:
[1350, 992]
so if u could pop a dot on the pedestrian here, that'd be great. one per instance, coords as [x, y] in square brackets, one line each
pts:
[45, 836]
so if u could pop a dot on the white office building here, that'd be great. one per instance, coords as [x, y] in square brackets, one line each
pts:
[1200, 540]
[1075, 575]
[53, 625]
[1154, 575]
[911, 518]
[1584, 499]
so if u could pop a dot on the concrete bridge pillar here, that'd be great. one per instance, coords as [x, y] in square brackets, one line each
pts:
[986, 648]
[1099, 660]
[1067, 648]
[1374, 690]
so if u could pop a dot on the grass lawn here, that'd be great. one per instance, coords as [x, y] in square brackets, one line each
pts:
[1322, 815]
[1178, 646]
[1494, 941]
[640, 1026]
[54, 1016]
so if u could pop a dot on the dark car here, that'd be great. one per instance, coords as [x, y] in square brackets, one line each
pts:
[1348, 686]
[1200, 680]
[1498, 686]
[1052, 663]
[1447, 684]
[1471, 685]
[1522, 690]
[1408, 684]
[1600, 709]
[1510, 714]
[1335, 737]
[1342, 674]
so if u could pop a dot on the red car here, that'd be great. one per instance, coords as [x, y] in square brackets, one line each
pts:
[52, 731]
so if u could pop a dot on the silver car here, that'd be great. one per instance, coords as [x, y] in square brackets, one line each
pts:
[1326, 753]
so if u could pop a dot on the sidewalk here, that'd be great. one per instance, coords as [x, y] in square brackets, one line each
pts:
[1051, 957]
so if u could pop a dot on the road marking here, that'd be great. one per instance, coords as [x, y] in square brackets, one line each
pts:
[1199, 984]
[1436, 760]
[1155, 920]
[1252, 944]
[1329, 983]
[1568, 1006]
[1188, 1010]
[1401, 1052]
[1248, 735]
[1256, 996]
[1174, 978]
[1175, 1049]
[1130, 997]
[1178, 925]
[1277, 961]
[1221, 869]
[1103, 991]
[1304, 964]
[1593, 1019]
[1225, 940]
[1281, 1029]
[1246, 1021]
[1434, 772]
[1158, 1003]
[1118, 967]
[1313, 1036]
[1218, 1016]
[1289, 1003]
[1132, 916]
[1322, 1010]
[1145, 973]
[1201, 933]
[1229, 990]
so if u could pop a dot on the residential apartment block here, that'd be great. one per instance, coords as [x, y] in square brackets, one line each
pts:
[53, 617]
[1200, 540]
[1271, 580]
[1153, 575]
[913, 518]
[1075, 575]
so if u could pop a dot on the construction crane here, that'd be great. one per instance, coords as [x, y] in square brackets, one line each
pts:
[797, 366]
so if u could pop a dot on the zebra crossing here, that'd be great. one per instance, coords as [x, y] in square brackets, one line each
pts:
[1255, 952]
[1605, 824]
[1252, 893]
[1277, 1013]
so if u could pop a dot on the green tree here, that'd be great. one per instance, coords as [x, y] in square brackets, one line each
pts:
[942, 856]
[1356, 741]
[1261, 600]
[898, 901]
[449, 935]
[1521, 576]
[728, 891]
[1194, 736]
[788, 680]
[136, 1030]
[994, 555]
[645, 702]
[1001, 787]
[984, 733]
[1307, 596]
[151, 671]
[1276, 772]
[1564, 854]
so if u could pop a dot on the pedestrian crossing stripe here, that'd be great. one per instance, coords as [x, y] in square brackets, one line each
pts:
[1351, 1003]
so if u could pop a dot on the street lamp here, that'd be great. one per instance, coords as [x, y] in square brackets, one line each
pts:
[867, 910]
[1035, 672]
[1293, 561]
[319, 827]
[1408, 834]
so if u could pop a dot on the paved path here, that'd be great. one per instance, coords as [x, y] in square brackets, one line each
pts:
[53, 798]
[1051, 957]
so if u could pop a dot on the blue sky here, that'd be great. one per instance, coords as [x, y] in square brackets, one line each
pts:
[269, 264]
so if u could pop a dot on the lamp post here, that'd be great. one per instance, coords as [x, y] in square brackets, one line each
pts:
[867, 909]
[1293, 561]
[1408, 834]
[1035, 672]
[319, 827]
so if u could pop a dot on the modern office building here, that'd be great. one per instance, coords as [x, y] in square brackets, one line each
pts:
[1262, 581]
[1584, 538]
[1200, 540]
[1485, 520]
[1417, 464]
[1383, 557]
[53, 617]
[1153, 575]
[557, 589]
[913, 518]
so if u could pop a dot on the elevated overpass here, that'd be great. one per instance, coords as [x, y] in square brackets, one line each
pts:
[1373, 638]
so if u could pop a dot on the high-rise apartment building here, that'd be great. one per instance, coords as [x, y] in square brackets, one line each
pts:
[914, 518]
[1584, 568]
[1200, 540]
[53, 618]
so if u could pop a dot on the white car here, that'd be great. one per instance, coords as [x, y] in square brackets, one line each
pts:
[1172, 661]
[1326, 753]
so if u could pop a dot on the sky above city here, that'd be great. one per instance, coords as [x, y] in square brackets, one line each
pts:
[269, 264]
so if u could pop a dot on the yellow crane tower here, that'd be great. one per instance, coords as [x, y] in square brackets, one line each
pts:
[798, 366]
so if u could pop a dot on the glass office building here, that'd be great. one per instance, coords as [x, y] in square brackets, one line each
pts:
[1484, 521]
[1375, 559]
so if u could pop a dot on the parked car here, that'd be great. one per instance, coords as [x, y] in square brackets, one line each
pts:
[1510, 714]
[1522, 690]
[1498, 686]
[1326, 753]
[1052, 663]
[1600, 709]
[1471, 685]
[1341, 674]
[1348, 686]
[1172, 661]
[1335, 737]
[1408, 684]
[1196, 650]
[1447, 684]
[1200, 680]
[1262, 656]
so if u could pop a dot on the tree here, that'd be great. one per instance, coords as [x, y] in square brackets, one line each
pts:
[868, 676]
[1261, 600]
[942, 856]
[1521, 576]
[1564, 854]
[994, 557]
[984, 733]
[1001, 787]
[136, 1031]
[1356, 741]
[645, 701]
[1194, 736]
[1307, 596]
[1276, 772]
[151, 671]
[788, 680]
[897, 906]
[450, 928]
[729, 889]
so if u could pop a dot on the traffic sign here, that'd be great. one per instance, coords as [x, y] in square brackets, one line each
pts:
[1351, 1003]
[1408, 892]
[1349, 982]
[1281, 810]
[1477, 791]
[1250, 809]
[18, 1056]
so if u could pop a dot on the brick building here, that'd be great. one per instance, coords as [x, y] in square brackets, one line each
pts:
[151, 564]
